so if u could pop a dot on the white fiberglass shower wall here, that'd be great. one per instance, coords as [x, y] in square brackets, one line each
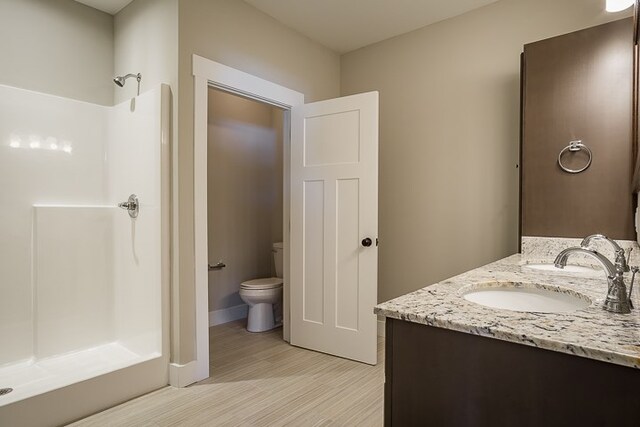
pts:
[84, 287]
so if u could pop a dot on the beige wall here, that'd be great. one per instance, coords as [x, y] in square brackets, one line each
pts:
[449, 135]
[244, 193]
[240, 36]
[146, 42]
[57, 47]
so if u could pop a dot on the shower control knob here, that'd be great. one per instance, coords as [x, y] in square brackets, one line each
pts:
[131, 205]
[366, 242]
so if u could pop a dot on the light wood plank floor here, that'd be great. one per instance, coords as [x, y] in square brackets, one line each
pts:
[260, 380]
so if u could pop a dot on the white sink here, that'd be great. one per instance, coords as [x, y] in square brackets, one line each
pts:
[528, 297]
[568, 269]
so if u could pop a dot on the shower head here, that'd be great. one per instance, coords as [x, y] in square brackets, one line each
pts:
[120, 80]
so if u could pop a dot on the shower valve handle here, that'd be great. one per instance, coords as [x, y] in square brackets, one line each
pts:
[131, 205]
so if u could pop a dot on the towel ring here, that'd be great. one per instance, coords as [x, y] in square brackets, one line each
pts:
[573, 147]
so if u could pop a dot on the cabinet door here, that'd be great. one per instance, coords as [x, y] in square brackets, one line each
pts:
[579, 87]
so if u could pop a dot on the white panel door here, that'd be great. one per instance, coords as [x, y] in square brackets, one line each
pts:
[334, 226]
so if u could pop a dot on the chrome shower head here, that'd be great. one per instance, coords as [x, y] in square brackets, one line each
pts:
[120, 80]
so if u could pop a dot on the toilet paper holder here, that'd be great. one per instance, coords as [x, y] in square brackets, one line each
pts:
[219, 266]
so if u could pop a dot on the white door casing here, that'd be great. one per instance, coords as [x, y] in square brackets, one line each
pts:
[210, 73]
[334, 207]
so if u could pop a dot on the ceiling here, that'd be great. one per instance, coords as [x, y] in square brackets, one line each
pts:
[346, 25]
[109, 6]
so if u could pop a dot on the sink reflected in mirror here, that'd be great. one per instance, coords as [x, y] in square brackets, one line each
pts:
[550, 267]
[525, 297]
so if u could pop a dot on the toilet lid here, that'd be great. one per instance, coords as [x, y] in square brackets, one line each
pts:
[266, 283]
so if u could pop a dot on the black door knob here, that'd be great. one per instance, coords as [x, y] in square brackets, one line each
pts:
[366, 242]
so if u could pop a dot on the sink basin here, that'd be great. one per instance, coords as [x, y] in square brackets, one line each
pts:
[568, 269]
[527, 297]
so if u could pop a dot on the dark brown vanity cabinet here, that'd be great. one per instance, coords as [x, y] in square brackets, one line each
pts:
[441, 378]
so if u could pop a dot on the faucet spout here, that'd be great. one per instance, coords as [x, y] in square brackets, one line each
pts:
[620, 259]
[561, 259]
[617, 300]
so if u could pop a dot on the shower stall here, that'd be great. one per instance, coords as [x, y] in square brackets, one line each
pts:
[84, 290]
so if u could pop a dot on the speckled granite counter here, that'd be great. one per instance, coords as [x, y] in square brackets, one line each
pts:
[592, 332]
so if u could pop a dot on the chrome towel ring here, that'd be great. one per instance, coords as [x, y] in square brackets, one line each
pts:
[573, 147]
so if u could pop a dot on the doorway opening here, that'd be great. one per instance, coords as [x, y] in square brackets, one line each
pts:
[326, 234]
[209, 74]
[245, 220]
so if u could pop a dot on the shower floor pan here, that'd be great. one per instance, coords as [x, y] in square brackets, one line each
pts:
[33, 377]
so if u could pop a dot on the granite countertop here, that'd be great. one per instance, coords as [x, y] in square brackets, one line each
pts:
[590, 332]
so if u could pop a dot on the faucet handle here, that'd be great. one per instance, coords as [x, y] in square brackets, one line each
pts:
[634, 270]
[622, 260]
[629, 256]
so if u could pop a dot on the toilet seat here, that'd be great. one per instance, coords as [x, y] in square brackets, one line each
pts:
[262, 284]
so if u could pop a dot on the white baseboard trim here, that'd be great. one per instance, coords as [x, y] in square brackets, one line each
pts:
[225, 315]
[381, 329]
[182, 375]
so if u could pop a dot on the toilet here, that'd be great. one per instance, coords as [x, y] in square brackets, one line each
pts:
[264, 297]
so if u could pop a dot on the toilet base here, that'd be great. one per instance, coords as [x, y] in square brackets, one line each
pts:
[260, 318]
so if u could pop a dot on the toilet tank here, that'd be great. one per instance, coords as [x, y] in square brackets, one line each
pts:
[278, 256]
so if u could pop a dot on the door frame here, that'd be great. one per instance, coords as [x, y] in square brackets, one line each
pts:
[208, 73]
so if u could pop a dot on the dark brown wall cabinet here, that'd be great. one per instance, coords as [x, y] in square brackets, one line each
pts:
[578, 87]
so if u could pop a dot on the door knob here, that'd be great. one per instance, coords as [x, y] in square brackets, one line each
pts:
[366, 242]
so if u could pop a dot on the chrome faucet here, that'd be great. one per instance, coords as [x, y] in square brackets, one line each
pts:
[619, 252]
[617, 300]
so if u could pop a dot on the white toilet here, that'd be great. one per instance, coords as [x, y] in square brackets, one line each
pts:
[264, 297]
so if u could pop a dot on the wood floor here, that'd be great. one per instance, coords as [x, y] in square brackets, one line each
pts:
[260, 380]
